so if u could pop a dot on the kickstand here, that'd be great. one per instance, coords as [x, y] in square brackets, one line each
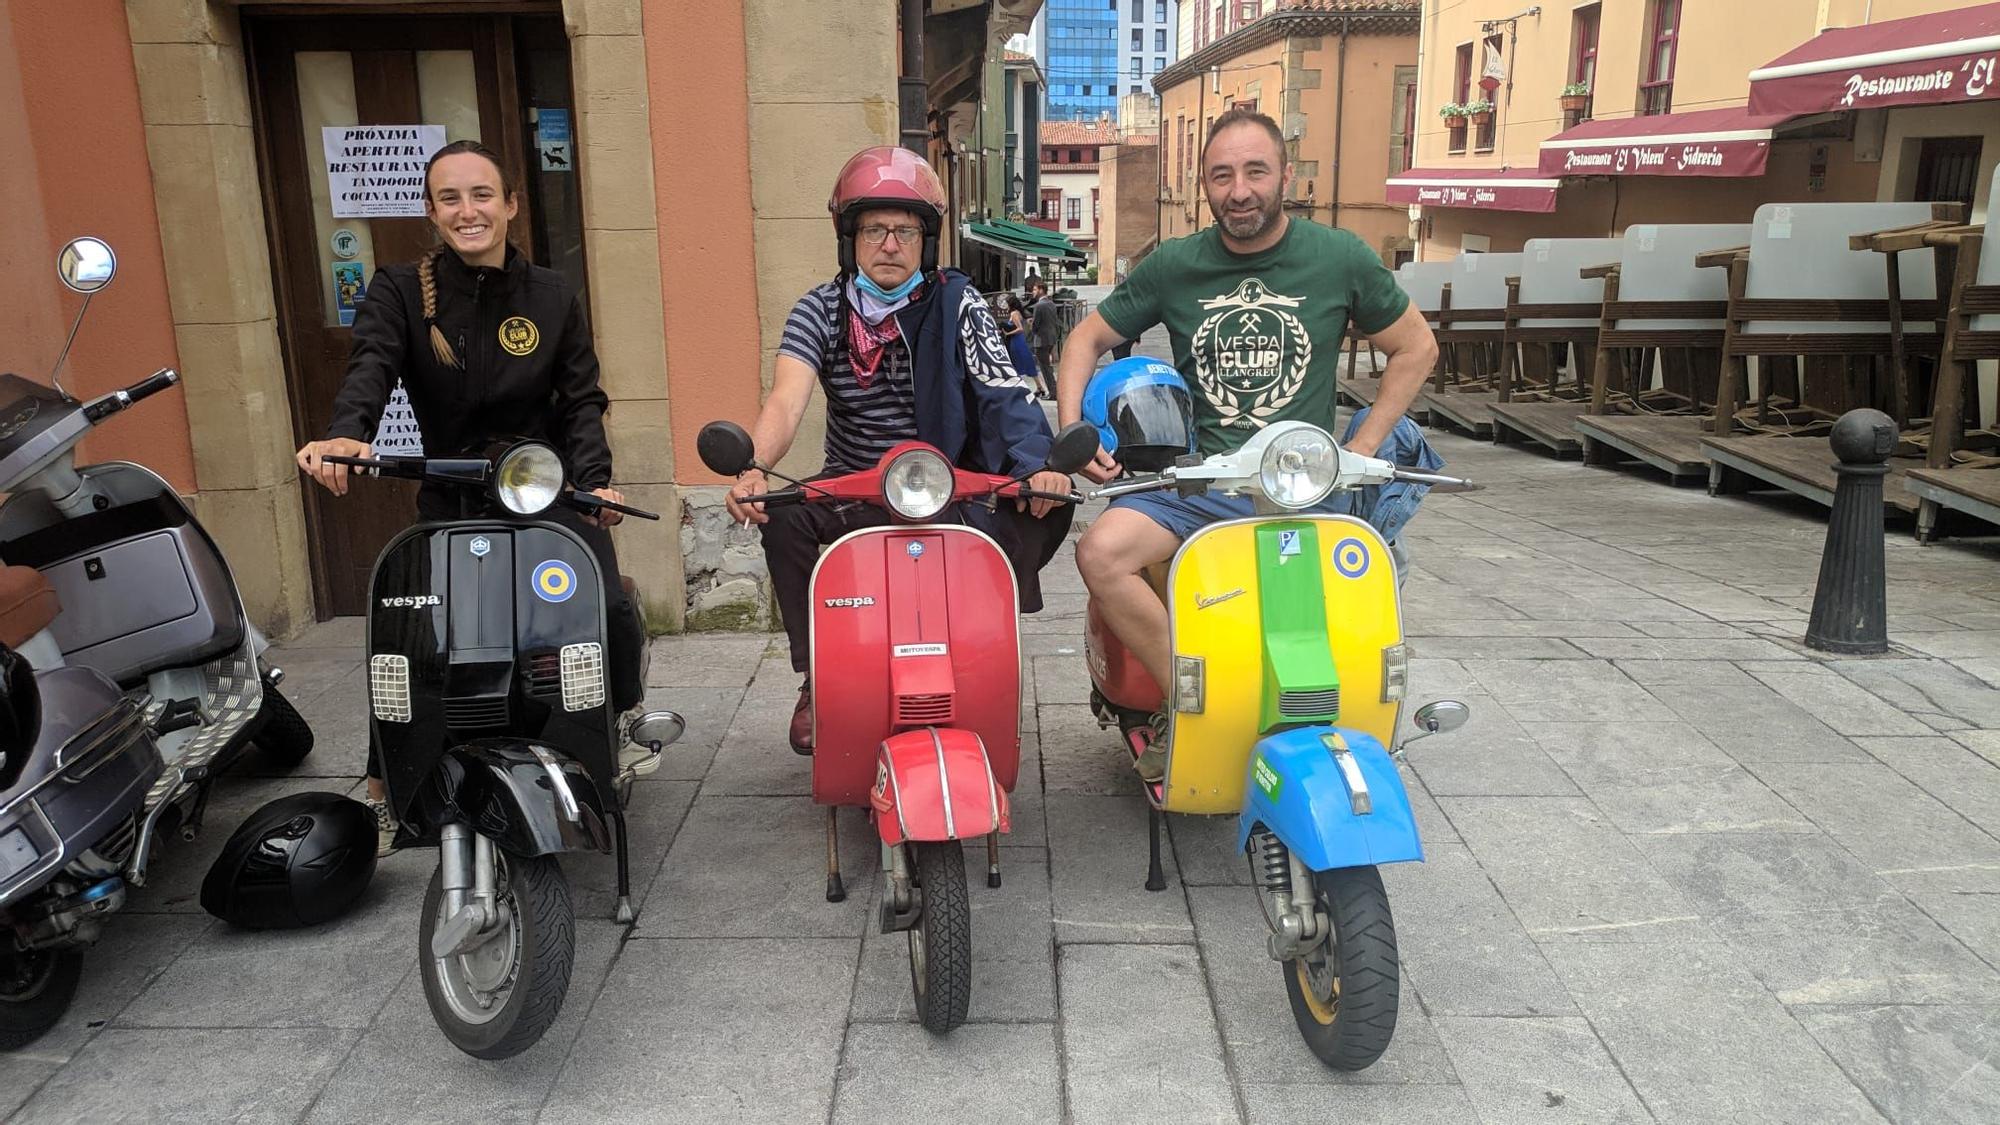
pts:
[1156, 879]
[624, 914]
[993, 858]
[835, 891]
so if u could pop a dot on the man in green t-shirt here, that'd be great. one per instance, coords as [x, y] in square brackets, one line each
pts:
[1256, 307]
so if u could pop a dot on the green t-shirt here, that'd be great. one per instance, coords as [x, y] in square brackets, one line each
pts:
[1257, 336]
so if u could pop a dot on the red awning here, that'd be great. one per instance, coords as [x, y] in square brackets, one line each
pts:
[1706, 142]
[1923, 60]
[1487, 189]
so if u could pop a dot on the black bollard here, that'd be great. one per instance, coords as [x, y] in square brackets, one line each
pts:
[1850, 610]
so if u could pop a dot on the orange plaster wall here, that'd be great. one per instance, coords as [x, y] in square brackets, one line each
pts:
[697, 79]
[76, 164]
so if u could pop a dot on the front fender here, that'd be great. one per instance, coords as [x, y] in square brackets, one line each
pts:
[500, 788]
[1298, 792]
[936, 784]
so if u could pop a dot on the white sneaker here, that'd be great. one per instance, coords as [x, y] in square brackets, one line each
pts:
[385, 827]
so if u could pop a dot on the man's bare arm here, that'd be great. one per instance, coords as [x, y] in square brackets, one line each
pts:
[1412, 352]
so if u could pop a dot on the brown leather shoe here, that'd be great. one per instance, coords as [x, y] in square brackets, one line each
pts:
[802, 720]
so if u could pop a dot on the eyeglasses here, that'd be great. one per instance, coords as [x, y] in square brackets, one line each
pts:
[875, 236]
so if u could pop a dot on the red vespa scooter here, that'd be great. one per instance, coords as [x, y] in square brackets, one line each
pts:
[916, 671]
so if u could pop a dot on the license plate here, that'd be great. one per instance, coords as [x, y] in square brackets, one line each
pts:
[17, 854]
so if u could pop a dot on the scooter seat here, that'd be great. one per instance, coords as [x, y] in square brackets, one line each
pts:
[27, 604]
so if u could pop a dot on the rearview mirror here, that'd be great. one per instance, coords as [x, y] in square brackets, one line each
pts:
[1073, 448]
[86, 264]
[725, 448]
[658, 729]
[1442, 716]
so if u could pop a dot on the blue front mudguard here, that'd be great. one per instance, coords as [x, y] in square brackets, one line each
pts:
[1297, 792]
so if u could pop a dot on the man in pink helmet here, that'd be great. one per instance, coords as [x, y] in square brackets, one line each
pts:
[902, 350]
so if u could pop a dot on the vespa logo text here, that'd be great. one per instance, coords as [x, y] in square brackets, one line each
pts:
[413, 601]
[848, 603]
[1203, 603]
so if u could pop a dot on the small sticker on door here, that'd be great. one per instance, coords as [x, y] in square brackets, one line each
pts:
[348, 291]
[553, 140]
[346, 244]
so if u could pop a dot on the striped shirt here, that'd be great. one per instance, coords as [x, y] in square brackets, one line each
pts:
[864, 423]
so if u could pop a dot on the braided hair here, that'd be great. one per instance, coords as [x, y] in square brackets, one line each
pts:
[427, 285]
[427, 265]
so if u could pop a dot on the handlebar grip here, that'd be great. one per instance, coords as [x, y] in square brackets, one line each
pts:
[780, 498]
[628, 510]
[1059, 497]
[152, 384]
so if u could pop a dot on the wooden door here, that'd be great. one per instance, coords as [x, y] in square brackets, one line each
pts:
[461, 72]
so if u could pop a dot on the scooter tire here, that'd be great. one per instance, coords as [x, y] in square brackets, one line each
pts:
[28, 1009]
[283, 735]
[540, 898]
[1350, 1028]
[941, 941]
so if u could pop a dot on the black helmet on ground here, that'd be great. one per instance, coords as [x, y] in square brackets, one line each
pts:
[297, 861]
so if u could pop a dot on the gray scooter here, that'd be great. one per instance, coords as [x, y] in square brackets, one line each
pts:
[132, 675]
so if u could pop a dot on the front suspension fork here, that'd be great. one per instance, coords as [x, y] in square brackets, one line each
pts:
[471, 895]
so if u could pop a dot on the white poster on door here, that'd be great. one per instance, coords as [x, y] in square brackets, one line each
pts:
[398, 435]
[377, 171]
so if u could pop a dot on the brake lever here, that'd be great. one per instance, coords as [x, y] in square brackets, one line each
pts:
[591, 504]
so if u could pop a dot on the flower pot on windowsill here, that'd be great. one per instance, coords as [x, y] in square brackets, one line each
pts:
[1575, 102]
[1455, 126]
[1482, 118]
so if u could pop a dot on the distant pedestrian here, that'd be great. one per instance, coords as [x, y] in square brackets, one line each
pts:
[1014, 325]
[1046, 330]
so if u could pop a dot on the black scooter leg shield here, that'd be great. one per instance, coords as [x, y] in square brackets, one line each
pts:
[506, 789]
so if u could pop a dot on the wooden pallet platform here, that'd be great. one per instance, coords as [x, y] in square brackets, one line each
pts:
[1802, 465]
[1545, 423]
[1974, 491]
[1362, 391]
[1471, 411]
[1668, 442]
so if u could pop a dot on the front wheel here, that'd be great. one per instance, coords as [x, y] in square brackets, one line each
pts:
[941, 942]
[497, 999]
[36, 987]
[282, 733]
[1344, 991]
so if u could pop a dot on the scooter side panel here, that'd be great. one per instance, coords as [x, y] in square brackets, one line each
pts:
[1297, 791]
[1217, 616]
[903, 607]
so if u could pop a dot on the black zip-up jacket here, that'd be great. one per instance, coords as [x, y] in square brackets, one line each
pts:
[539, 383]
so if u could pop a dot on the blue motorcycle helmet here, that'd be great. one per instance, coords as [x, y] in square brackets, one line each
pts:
[1143, 413]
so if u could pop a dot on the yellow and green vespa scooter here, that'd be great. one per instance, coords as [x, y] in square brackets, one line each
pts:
[1289, 672]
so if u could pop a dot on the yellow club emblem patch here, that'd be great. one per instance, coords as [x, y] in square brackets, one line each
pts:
[519, 335]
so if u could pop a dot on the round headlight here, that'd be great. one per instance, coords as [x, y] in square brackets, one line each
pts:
[917, 485]
[1299, 467]
[528, 478]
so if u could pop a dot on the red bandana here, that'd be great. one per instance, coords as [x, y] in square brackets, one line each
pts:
[868, 343]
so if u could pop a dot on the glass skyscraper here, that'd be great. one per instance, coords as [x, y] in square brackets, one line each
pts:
[1081, 58]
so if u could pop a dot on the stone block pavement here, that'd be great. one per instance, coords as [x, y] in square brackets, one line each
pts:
[1680, 869]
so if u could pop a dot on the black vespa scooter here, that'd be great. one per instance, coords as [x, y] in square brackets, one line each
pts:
[488, 682]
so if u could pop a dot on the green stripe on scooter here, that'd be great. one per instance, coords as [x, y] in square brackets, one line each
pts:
[1298, 660]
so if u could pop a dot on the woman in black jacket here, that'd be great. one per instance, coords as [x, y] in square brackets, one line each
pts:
[488, 346]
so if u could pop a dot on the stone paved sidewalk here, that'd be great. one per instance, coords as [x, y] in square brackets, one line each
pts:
[1680, 869]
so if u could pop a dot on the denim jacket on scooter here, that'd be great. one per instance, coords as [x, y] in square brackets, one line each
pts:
[1390, 506]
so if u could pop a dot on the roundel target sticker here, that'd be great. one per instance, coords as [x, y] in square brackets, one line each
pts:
[1350, 558]
[554, 581]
